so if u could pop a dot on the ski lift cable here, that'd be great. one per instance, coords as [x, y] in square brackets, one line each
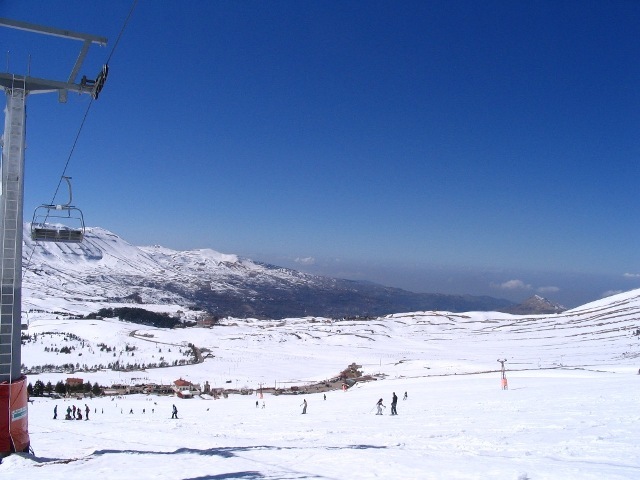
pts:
[66, 166]
[73, 147]
[84, 119]
[124, 26]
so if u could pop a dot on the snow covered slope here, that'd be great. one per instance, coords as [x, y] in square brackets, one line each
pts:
[570, 410]
[600, 335]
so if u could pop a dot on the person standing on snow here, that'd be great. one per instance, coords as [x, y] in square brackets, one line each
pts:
[405, 396]
[304, 406]
[380, 407]
[55, 412]
[394, 402]
[175, 412]
[86, 411]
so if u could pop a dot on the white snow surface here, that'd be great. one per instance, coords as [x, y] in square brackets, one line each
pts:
[571, 410]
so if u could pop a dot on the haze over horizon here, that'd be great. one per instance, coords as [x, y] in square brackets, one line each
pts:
[447, 147]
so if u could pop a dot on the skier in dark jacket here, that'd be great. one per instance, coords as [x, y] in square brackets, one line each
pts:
[175, 412]
[394, 402]
[55, 412]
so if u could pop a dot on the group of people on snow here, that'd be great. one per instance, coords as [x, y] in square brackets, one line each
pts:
[74, 413]
[394, 404]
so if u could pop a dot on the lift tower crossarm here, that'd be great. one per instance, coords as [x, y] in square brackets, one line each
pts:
[56, 32]
[36, 84]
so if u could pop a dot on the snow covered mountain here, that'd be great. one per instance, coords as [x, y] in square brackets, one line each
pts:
[535, 305]
[105, 269]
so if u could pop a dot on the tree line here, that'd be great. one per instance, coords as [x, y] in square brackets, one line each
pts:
[39, 388]
[139, 316]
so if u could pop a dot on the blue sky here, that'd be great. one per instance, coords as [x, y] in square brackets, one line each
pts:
[445, 146]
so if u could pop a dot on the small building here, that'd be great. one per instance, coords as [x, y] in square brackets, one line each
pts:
[116, 389]
[136, 389]
[74, 382]
[206, 322]
[159, 389]
[185, 389]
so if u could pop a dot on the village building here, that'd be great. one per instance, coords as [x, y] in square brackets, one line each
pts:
[159, 389]
[74, 382]
[116, 389]
[185, 389]
[206, 322]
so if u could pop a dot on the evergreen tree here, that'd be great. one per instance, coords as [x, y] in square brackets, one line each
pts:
[96, 390]
[60, 388]
[38, 388]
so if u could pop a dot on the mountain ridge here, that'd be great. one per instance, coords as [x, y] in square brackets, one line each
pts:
[107, 269]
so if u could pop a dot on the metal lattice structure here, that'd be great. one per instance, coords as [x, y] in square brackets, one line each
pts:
[13, 427]
[11, 234]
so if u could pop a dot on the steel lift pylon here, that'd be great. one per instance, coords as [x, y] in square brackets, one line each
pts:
[14, 432]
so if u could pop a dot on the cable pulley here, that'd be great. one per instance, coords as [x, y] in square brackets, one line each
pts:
[94, 87]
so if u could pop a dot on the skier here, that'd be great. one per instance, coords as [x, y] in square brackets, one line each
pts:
[394, 402]
[74, 411]
[86, 411]
[55, 412]
[68, 417]
[380, 407]
[405, 396]
[175, 412]
[304, 406]
[256, 403]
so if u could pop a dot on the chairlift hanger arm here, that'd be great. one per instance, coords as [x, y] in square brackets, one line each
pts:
[41, 85]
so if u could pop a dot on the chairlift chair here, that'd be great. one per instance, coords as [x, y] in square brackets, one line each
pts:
[58, 223]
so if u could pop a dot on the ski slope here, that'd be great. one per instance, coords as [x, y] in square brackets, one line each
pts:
[570, 410]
